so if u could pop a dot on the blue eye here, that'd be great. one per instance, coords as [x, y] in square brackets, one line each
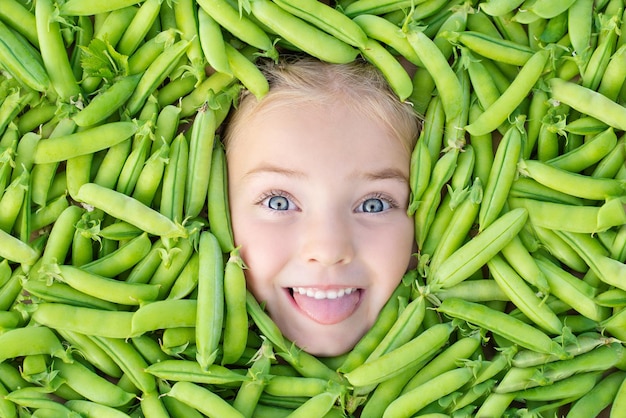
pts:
[374, 205]
[278, 203]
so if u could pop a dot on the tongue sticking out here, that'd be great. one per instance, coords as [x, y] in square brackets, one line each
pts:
[328, 311]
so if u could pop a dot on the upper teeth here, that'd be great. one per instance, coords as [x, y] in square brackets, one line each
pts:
[323, 294]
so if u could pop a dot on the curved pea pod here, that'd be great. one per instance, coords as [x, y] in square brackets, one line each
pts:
[235, 317]
[319, 405]
[106, 103]
[199, 162]
[124, 257]
[581, 219]
[246, 71]
[126, 208]
[88, 321]
[500, 7]
[93, 386]
[218, 211]
[477, 251]
[301, 34]
[94, 409]
[600, 397]
[164, 314]
[390, 67]
[587, 154]
[497, 49]
[500, 323]
[328, 19]
[609, 270]
[30, 340]
[190, 371]
[20, 62]
[376, 7]
[155, 74]
[572, 387]
[449, 87]
[574, 184]
[523, 296]
[588, 102]
[210, 308]
[129, 360]
[84, 142]
[511, 98]
[16, 250]
[80, 8]
[394, 362]
[413, 401]
[501, 177]
[106, 288]
[383, 30]
[203, 400]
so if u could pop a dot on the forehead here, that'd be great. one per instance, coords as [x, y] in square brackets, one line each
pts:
[328, 136]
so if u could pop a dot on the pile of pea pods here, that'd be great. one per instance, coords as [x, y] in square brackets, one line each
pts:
[123, 295]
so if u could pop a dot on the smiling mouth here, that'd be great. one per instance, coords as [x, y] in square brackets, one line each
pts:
[326, 306]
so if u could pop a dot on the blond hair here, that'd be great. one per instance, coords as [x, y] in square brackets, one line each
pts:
[359, 84]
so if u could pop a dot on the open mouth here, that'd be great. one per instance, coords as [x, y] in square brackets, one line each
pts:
[326, 306]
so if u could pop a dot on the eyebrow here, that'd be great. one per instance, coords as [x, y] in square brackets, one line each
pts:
[384, 174]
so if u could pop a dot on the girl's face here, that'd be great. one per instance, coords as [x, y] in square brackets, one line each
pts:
[318, 201]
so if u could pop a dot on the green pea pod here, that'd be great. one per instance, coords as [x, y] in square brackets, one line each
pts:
[588, 219]
[53, 52]
[106, 103]
[588, 102]
[394, 362]
[26, 341]
[210, 316]
[84, 142]
[500, 323]
[236, 23]
[301, 34]
[212, 42]
[523, 296]
[328, 19]
[384, 31]
[247, 72]
[236, 318]
[413, 401]
[126, 208]
[376, 7]
[203, 400]
[448, 85]
[129, 360]
[199, 163]
[574, 184]
[217, 200]
[155, 74]
[20, 62]
[501, 176]
[478, 250]
[174, 180]
[577, 294]
[500, 110]
[164, 314]
[390, 67]
[92, 386]
[497, 49]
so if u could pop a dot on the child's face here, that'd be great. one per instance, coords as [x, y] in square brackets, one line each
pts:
[318, 203]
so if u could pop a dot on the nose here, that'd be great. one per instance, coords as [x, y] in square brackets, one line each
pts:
[328, 239]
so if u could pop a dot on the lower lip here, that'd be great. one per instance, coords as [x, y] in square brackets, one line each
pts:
[327, 311]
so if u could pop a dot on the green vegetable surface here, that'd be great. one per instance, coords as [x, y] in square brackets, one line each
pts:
[121, 292]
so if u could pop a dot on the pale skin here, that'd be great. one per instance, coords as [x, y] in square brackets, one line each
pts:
[318, 197]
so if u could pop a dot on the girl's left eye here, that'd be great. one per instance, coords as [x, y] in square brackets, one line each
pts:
[374, 205]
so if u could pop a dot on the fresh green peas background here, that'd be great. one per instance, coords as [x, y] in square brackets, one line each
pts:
[122, 292]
